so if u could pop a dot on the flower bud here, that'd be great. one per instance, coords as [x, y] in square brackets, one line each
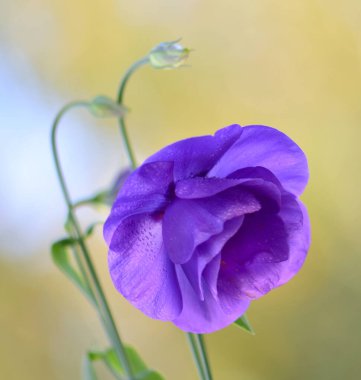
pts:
[168, 55]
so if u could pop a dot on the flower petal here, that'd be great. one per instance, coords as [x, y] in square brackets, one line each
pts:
[150, 178]
[296, 220]
[186, 225]
[249, 260]
[263, 146]
[263, 184]
[204, 255]
[125, 207]
[144, 191]
[197, 155]
[141, 270]
[203, 187]
[259, 181]
[231, 203]
[206, 316]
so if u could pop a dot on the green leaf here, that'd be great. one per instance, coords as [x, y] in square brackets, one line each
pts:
[100, 199]
[135, 360]
[68, 225]
[109, 358]
[89, 231]
[149, 375]
[139, 368]
[59, 253]
[102, 106]
[244, 324]
[60, 256]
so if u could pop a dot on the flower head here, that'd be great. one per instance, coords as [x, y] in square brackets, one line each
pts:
[208, 224]
[168, 55]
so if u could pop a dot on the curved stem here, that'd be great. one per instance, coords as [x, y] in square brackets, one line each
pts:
[127, 75]
[104, 310]
[120, 96]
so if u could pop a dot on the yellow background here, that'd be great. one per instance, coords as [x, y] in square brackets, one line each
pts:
[293, 65]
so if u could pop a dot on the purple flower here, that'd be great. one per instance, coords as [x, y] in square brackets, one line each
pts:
[208, 224]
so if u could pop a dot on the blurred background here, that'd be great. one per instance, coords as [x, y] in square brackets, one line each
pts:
[293, 65]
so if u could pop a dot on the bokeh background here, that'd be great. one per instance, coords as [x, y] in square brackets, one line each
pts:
[294, 65]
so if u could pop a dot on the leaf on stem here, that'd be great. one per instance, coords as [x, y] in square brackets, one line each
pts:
[61, 258]
[244, 324]
[102, 106]
[103, 198]
[110, 359]
[89, 231]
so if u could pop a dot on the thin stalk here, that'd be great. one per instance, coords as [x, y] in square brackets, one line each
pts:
[123, 129]
[103, 309]
[195, 353]
[203, 354]
[83, 271]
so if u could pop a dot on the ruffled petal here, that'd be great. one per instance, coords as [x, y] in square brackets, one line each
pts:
[258, 181]
[267, 147]
[145, 191]
[296, 220]
[266, 253]
[196, 269]
[231, 203]
[249, 260]
[186, 225]
[125, 207]
[150, 178]
[203, 187]
[141, 270]
[197, 155]
[263, 184]
[201, 317]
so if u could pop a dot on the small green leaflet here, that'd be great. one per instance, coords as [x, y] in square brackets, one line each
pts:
[102, 106]
[110, 359]
[244, 324]
[89, 231]
[60, 256]
[68, 226]
[99, 199]
[139, 368]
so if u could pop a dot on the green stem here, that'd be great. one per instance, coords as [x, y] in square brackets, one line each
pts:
[103, 309]
[198, 349]
[203, 355]
[83, 271]
[195, 353]
[120, 96]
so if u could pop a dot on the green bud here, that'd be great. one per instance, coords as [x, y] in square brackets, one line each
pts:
[168, 55]
[102, 106]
